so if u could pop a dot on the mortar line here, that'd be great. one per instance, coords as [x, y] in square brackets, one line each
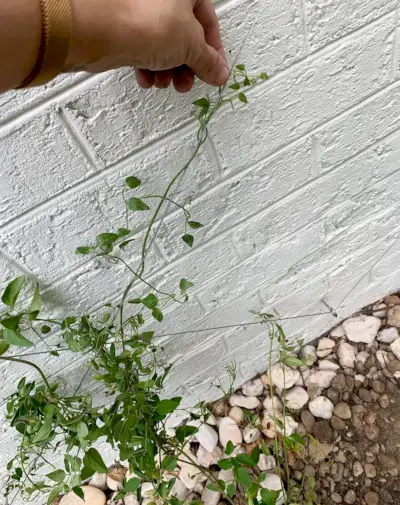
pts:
[395, 41]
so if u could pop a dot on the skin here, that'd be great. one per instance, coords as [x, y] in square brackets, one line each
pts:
[166, 41]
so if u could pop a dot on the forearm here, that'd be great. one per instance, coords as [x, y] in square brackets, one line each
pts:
[20, 32]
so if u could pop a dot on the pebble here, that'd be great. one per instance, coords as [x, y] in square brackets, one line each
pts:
[371, 431]
[206, 458]
[296, 398]
[392, 300]
[382, 358]
[237, 414]
[394, 316]
[393, 366]
[387, 461]
[323, 431]
[378, 386]
[266, 463]
[325, 347]
[308, 420]
[336, 498]
[357, 469]
[99, 480]
[115, 477]
[395, 346]
[346, 355]
[229, 431]
[320, 379]
[337, 424]
[247, 402]
[325, 364]
[251, 435]
[380, 310]
[226, 476]
[321, 407]
[92, 496]
[384, 401]
[388, 335]
[178, 489]
[207, 437]
[308, 354]
[362, 328]
[338, 332]
[272, 405]
[253, 388]
[342, 410]
[209, 497]
[372, 498]
[370, 471]
[274, 483]
[364, 394]
[283, 377]
[350, 497]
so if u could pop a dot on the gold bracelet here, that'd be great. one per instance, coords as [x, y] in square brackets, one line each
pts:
[54, 44]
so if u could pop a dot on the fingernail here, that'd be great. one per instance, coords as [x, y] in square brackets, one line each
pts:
[222, 75]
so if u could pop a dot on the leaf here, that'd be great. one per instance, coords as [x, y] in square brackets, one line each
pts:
[45, 329]
[311, 481]
[195, 225]
[165, 407]
[14, 337]
[106, 239]
[123, 232]
[245, 460]
[3, 347]
[235, 86]
[12, 291]
[255, 454]
[184, 284]
[188, 239]
[298, 439]
[135, 300]
[229, 448]
[57, 475]
[225, 464]
[242, 97]
[246, 82]
[82, 430]
[83, 250]
[151, 301]
[183, 432]
[202, 102]
[94, 461]
[264, 76]
[11, 323]
[292, 361]
[169, 463]
[231, 490]
[132, 485]
[269, 497]
[53, 495]
[243, 477]
[135, 205]
[36, 304]
[241, 67]
[132, 182]
[86, 473]
[79, 492]
[157, 314]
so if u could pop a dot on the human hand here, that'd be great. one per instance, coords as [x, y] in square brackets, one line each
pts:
[165, 40]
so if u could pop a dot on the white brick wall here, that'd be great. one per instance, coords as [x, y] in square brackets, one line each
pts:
[298, 190]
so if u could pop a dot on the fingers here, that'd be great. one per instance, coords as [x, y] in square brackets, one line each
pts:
[163, 78]
[145, 78]
[183, 79]
[207, 17]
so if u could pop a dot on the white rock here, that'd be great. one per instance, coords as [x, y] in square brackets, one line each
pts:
[269, 426]
[253, 388]
[362, 328]
[396, 375]
[338, 332]
[272, 406]
[289, 425]
[206, 458]
[251, 435]
[382, 357]
[226, 476]
[212, 420]
[308, 354]
[229, 431]
[296, 398]
[189, 475]
[209, 497]
[237, 414]
[178, 489]
[325, 364]
[199, 488]
[388, 335]
[93, 496]
[362, 357]
[321, 407]
[380, 310]
[207, 437]
[273, 482]
[247, 402]
[359, 378]
[283, 376]
[325, 347]
[346, 355]
[395, 348]
[131, 499]
[148, 490]
[266, 463]
[321, 379]
[304, 374]
[99, 480]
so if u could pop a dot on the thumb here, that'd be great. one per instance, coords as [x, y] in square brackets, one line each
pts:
[205, 61]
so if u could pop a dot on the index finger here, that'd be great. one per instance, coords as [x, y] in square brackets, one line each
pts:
[207, 17]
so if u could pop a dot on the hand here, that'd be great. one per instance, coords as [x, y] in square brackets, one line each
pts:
[165, 40]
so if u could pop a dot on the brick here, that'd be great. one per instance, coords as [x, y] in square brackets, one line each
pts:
[330, 20]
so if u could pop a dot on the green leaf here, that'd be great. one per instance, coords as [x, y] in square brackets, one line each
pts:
[245, 460]
[269, 497]
[184, 284]
[235, 86]
[157, 314]
[86, 473]
[79, 492]
[264, 76]
[57, 475]
[246, 82]
[94, 461]
[225, 464]
[123, 232]
[195, 225]
[202, 102]
[311, 481]
[229, 448]
[82, 430]
[255, 454]
[53, 495]
[242, 97]
[188, 239]
[169, 463]
[243, 477]
[132, 182]
[36, 304]
[151, 301]
[231, 490]
[292, 361]
[135, 205]
[132, 485]
[12, 291]
[165, 407]
[135, 300]
[298, 439]
[122, 245]
[3, 347]
[45, 329]
[241, 67]
[183, 432]
[14, 337]
[83, 250]
[11, 323]
[106, 239]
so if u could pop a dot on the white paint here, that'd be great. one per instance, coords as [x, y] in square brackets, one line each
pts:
[298, 190]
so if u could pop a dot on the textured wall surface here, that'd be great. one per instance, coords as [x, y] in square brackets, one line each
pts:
[298, 190]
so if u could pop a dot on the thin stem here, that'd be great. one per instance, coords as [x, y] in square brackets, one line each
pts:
[29, 363]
